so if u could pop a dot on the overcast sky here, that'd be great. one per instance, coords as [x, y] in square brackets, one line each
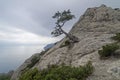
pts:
[30, 21]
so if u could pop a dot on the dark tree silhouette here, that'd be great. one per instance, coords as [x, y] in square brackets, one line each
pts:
[62, 18]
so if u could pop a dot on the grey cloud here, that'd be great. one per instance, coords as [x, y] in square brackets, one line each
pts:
[34, 19]
[35, 15]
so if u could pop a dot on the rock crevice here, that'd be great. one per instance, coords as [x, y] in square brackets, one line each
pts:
[94, 29]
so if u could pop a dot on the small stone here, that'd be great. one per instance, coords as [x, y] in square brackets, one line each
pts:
[114, 70]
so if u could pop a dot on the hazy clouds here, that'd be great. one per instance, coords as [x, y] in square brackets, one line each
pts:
[27, 22]
[22, 19]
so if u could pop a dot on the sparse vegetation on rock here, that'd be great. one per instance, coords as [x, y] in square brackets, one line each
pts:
[33, 61]
[108, 50]
[116, 37]
[62, 72]
[4, 77]
[94, 29]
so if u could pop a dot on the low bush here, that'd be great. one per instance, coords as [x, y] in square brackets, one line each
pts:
[34, 60]
[5, 77]
[59, 73]
[116, 37]
[108, 50]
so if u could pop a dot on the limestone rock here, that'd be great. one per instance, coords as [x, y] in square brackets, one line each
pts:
[115, 71]
[94, 29]
[18, 72]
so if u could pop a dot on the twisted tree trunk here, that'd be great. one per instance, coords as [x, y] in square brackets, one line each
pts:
[71, 37]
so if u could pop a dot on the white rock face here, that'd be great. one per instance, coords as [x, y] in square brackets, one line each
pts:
[115, 71]
[94, 29]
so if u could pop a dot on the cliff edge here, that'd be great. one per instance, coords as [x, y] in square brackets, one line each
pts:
[94, 30]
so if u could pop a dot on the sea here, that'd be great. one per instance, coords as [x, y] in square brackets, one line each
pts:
[11, 57]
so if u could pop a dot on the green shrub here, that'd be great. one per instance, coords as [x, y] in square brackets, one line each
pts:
[59, 73]
[34, 60]
[29, 75]
[5, 77]
[116, 37]
[43, 52]
[108, 50]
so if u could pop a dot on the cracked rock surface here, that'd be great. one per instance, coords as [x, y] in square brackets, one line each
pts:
[94, 29]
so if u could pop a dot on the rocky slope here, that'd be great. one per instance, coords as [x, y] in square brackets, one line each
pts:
[94, 29]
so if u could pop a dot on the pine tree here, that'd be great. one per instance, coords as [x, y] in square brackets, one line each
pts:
[62, 18]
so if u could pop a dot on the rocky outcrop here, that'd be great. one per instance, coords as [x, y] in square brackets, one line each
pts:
[48, 46]
[94, 29]
[23, 67]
